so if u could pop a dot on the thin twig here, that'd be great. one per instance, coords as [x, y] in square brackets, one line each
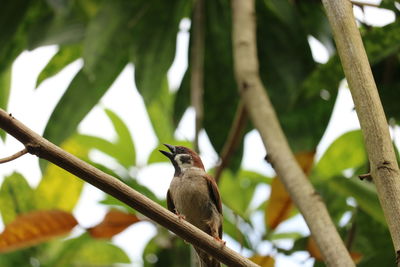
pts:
[233, 140]
[42, 148]
[197, 68]
[14, 156]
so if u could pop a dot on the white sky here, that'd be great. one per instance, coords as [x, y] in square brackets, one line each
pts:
[33, 108]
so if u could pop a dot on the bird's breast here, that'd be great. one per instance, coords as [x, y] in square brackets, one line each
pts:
[191, 198]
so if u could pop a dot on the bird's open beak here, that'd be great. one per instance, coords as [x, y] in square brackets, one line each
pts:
[171, 154]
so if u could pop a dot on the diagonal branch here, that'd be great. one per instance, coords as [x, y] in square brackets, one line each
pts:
[384, 169]
[265, 120]
[14, 156]
[37, 145]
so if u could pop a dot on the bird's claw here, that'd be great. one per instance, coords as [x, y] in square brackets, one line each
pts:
[181, 216]
[222, 242]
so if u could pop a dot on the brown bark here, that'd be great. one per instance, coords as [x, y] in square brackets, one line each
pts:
[37, 145]
[384, 168]
[265, 120]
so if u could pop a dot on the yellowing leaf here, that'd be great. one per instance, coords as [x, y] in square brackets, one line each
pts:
[263, 261]
[113, 223]
[280, 204]
[58, 188]
[34, 228]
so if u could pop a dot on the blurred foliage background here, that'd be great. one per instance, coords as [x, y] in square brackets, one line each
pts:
[108, 35]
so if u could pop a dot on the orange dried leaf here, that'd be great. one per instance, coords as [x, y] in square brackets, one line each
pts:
[356, 257]
[314, 250]
[316, 253]
[113, 223]
[280, 204]
[34, 228]
[263, 261]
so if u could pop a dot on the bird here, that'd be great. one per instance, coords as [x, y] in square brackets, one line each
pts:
[193, 195]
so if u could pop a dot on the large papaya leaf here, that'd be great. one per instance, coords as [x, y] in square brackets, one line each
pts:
[16, 197]
[64, 24]
[153, 43]
[14, 19]
[284, 52]
[285, 63]
[90, 84]
[220, 90]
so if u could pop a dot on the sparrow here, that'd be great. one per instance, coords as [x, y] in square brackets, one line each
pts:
[193, 195]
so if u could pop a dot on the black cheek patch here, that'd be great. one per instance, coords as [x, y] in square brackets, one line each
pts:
[185, 159]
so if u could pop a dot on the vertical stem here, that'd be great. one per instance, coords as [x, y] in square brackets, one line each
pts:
[383, 163]
[265, 120]
[197, 67]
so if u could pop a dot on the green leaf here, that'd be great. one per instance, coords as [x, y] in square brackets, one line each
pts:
[219, 81]
[85, 251]
[58, 188]
[13, 23]
[181, 99]
[16, 197]
[373, 241]
[167, 251]
[315, 22]
[81, 96]
[107, 33]
[124, 145]
[242, 184]
[64, 56]
[153, 44]
[62, 25]
[160, 113]
[234, 232]
[5, 86]
[220, 90]
[348, 151]
[285, 41]
[122, 149]
[363, 192]
[90, 84]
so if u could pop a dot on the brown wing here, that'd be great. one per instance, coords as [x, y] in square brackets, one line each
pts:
[214, 193]
[170, 203]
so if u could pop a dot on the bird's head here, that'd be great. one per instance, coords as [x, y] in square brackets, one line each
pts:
[182, 158]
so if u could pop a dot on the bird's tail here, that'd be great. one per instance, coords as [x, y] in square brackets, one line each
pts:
[205, 260]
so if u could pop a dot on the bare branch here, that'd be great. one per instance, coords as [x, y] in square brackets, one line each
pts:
[265, 120]
[383, 163]
[37, 145]
[14, 156]
[197, 68]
